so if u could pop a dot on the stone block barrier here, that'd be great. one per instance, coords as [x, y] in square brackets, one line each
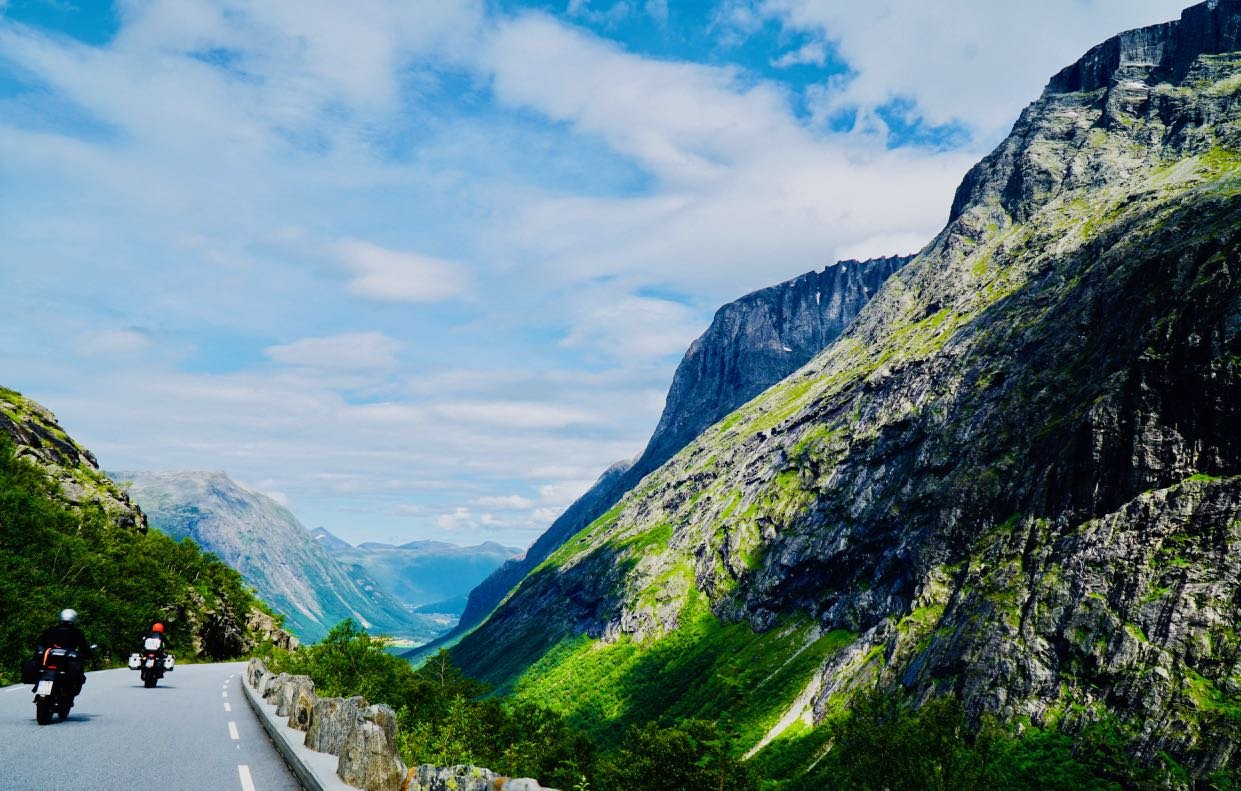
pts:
[361, 736]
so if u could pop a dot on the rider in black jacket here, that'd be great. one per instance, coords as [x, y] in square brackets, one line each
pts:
[66, 635]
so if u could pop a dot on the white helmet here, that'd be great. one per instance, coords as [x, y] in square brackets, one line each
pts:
[68, 616]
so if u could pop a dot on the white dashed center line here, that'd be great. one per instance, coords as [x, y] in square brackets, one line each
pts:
[232, 731]
[224, 694]
[228, 706]
[246, 783]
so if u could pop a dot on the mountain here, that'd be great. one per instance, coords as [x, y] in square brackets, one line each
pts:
[1015, 478]
[70, 537]
[260, 538]
[329, 542]
[752, 343]
[420, 573]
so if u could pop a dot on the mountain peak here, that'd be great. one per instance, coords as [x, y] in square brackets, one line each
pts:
[1208, 28]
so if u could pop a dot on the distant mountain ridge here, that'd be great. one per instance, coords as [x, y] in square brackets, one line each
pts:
[290, 568]
[752, 343]
[420, 574]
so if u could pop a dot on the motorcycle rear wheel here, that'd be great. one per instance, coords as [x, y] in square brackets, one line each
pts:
[43, 710]
[62, 708]
[150, 680]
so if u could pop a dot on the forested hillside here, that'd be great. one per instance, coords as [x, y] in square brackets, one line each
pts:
[70, 537]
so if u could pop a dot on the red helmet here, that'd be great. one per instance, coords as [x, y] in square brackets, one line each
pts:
[159, 627]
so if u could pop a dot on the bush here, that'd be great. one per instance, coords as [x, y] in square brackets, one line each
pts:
[689, 754]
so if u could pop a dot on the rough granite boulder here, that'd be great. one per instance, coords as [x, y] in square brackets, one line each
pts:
[369, 758]
[462, 777]
[302, 706]
[465, 777]
[291, 690]
[330, 721]
[269, 687]
[255, 670]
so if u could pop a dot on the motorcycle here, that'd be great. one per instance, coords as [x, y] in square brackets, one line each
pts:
[152, 663]
[59, 681]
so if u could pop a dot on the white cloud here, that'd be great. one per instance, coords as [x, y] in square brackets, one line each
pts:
[457, 519]
[349, 352]
[813, 53]
[562, 493]
[545, 516]
[748, 195]
[280, 497]
[107, 343]
[686, 122]
[512, 502]
[525, 415]
[400, 276]
[635, 328]
[977, 61]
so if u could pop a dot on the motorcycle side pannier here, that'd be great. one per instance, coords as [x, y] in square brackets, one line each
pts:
[135, 661]
[31, 668]
[169, 662]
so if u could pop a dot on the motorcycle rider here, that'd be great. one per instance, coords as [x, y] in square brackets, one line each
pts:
[158, 635]
[67, 635]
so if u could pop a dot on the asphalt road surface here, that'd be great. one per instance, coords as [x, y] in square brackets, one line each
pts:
[192, 732]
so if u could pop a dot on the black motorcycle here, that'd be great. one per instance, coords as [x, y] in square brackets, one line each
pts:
[152, 663]
[59, 681]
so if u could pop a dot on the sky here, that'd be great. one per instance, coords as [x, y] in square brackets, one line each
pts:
[424, 268]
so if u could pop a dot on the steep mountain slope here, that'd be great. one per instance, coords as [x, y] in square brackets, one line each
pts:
[1016, 477]
[752, 343]
[420, 573]
[261, 539]
[70, 537]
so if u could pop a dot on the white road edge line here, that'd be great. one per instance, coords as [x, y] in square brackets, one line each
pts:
[228, 706]
[232, 731]
[247, 784]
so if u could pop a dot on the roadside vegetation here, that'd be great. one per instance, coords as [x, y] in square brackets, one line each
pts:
[119, 580]
[881, 742]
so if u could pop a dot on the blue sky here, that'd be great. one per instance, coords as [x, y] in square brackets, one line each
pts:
[424, 269]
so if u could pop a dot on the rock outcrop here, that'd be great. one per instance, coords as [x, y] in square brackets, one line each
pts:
[752, 344]
[39, 437]
[1016, 477]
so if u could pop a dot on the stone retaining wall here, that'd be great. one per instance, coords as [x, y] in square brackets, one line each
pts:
[364, 737]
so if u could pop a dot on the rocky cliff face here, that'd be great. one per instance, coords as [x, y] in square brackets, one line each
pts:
[1016, 477]
[39, 437]
[751, 344]
[261, 539]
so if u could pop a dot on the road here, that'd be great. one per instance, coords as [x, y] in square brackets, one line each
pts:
[193, 732]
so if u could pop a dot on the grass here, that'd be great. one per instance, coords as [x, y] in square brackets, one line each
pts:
[705, 669]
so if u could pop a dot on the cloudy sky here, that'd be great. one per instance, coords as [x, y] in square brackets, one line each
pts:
[424, 268]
